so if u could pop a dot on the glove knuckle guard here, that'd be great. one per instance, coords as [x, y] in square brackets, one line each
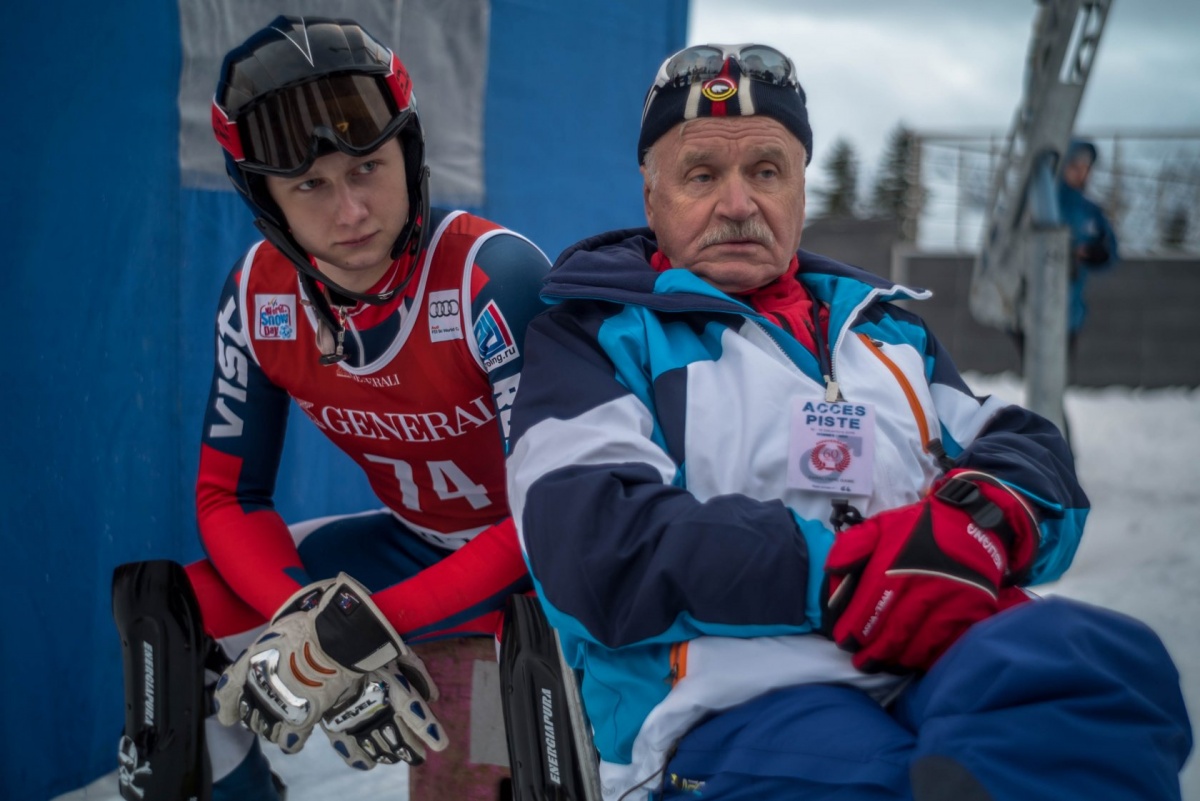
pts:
[903, 585]
[384, 724]
[924, 553]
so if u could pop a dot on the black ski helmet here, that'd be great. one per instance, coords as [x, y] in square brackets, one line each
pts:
[303, 87]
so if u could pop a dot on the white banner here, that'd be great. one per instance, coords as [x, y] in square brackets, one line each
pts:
[443, 43]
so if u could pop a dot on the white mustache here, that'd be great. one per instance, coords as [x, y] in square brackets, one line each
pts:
[753, 230]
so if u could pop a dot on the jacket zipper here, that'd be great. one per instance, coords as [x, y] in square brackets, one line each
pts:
[930, 444]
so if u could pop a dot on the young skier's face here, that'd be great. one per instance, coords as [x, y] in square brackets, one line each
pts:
[725, 198]
[347, 211]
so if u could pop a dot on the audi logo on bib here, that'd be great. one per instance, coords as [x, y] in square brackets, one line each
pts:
[443, 308]
[445, 323]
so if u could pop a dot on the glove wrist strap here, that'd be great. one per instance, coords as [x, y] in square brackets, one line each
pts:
[973, 491]
[966, 495]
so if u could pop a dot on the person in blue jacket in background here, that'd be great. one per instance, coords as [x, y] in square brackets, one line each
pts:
[1093, 241]
[1093, 247]
[783, 544]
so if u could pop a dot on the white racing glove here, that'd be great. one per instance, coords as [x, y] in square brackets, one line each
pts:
[313, 654]
[389, 721]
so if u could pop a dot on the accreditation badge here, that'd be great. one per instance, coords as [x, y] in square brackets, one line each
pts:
[832, 447]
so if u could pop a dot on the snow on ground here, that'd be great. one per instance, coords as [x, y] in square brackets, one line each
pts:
[1137, 459]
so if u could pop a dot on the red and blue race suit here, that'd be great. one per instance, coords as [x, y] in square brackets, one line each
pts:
[421, 404]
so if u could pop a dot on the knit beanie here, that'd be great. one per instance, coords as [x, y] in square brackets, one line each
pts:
[731, 93]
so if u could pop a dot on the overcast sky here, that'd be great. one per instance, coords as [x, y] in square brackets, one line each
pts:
[951, 65]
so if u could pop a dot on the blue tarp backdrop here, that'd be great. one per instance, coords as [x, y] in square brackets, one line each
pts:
[112, 280]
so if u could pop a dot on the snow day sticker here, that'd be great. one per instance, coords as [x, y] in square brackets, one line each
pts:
[275, 316]
[832, 446]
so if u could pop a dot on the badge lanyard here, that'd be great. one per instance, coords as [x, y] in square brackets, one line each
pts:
[825, 359]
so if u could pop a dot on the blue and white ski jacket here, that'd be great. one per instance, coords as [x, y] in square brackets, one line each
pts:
[1090, 231]
[648, 481]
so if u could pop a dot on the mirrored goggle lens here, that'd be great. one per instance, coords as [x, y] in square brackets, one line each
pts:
[703, 62]
[766, 64]
[694, 64]
[278, 134]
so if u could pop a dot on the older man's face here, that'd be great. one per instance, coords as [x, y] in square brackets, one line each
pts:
[725, 198]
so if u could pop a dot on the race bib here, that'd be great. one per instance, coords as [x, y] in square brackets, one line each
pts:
[832, 447]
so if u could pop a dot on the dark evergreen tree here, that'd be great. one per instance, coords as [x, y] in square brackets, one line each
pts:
[898, 193]
[1173, 229]
[839, 197]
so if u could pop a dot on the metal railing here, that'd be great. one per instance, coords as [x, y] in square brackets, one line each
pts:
[1147, 180]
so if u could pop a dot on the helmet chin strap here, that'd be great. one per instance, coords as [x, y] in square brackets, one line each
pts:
[416, 232]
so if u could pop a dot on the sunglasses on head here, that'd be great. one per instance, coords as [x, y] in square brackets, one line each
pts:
[705, 62]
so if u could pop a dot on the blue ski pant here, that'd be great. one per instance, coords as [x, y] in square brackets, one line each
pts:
[1054, 700]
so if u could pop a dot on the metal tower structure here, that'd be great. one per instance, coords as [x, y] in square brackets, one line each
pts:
[1019, 281]
[1061, 53]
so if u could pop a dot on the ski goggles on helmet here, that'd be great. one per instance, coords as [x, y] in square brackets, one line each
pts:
[283, 133]
[705, 62]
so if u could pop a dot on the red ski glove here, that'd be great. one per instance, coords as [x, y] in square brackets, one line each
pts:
[903, 585]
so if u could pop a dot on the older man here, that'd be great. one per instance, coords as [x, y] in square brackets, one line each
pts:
[705, 409]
